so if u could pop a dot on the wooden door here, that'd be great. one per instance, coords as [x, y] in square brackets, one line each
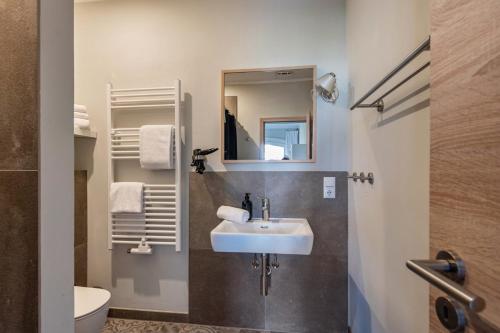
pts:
[465, 147]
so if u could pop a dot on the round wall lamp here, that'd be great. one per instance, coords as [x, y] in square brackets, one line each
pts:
[326, 87]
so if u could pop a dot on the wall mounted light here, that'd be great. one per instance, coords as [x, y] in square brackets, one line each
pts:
[326, 87]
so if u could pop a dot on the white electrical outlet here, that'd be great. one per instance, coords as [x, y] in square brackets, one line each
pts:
[329, 187]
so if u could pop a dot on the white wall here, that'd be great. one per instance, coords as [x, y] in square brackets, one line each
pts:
[56, 229]
[150, 42]
[388, 222]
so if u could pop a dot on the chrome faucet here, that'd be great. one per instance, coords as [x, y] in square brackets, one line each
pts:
[266, 209]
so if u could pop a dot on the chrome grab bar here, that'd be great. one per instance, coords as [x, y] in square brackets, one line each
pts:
[447, 273]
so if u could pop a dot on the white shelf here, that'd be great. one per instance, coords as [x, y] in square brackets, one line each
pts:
[84, 133]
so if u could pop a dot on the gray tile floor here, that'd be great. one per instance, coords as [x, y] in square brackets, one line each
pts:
[116, 325]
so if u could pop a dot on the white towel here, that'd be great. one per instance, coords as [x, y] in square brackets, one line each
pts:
[81, 115]
[232, 214]
[80, 108]
[126, 197]
[82, 123]
[156, 146]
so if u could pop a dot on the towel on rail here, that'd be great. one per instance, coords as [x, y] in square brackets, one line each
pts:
[126, 197]
[156, 146]
[80, 108]
[81, 115]
[82, 123]
[236, 215]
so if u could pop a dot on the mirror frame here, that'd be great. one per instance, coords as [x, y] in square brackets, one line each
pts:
[313, 121]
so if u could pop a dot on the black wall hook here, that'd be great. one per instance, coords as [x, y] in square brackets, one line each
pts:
[199, 158]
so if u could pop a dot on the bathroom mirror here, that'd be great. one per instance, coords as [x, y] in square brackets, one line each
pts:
[268, 115]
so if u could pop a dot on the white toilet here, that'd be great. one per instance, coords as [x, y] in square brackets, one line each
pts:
[91, 309]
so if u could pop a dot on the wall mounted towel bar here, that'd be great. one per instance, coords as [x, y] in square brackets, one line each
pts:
[379, 102]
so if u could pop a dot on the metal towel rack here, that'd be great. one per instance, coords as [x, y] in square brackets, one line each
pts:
[379, 102]
[447, 273]
[160, 224]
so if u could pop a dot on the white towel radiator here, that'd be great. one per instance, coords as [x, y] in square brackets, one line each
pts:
[160, 223]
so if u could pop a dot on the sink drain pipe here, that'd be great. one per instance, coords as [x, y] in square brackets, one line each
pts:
[266, 267]
[265, 274]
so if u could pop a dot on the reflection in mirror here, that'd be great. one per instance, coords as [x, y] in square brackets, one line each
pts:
[268, 114]
[284, 138]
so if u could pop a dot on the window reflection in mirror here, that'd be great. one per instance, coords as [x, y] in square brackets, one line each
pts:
[268, 115]
[284, 138]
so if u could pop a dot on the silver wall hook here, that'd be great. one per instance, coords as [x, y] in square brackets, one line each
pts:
[362, 177]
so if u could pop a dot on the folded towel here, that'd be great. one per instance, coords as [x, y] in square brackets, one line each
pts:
[232, 214]
[81, 115]
[156, 146]
[80, 108]
[82, 123]
[126, 197]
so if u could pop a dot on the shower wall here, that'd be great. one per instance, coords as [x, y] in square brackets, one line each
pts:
[81, 228]
[19, 166]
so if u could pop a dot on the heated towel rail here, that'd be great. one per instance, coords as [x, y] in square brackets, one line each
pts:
[125, 144]
[160, 223]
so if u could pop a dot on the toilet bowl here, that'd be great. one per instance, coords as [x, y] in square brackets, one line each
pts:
[91, 309]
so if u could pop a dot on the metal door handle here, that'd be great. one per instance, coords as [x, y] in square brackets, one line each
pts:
[447, 273]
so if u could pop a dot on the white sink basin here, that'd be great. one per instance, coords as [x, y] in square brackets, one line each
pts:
[278, 236]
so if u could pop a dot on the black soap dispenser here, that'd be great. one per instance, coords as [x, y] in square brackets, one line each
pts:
[247, 204]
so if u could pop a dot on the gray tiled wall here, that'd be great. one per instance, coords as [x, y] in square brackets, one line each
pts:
[81, 228]
[308, 293]
[19, 85]
[19, 166]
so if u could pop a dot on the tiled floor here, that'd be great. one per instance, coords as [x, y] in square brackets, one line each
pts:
[115, 325]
